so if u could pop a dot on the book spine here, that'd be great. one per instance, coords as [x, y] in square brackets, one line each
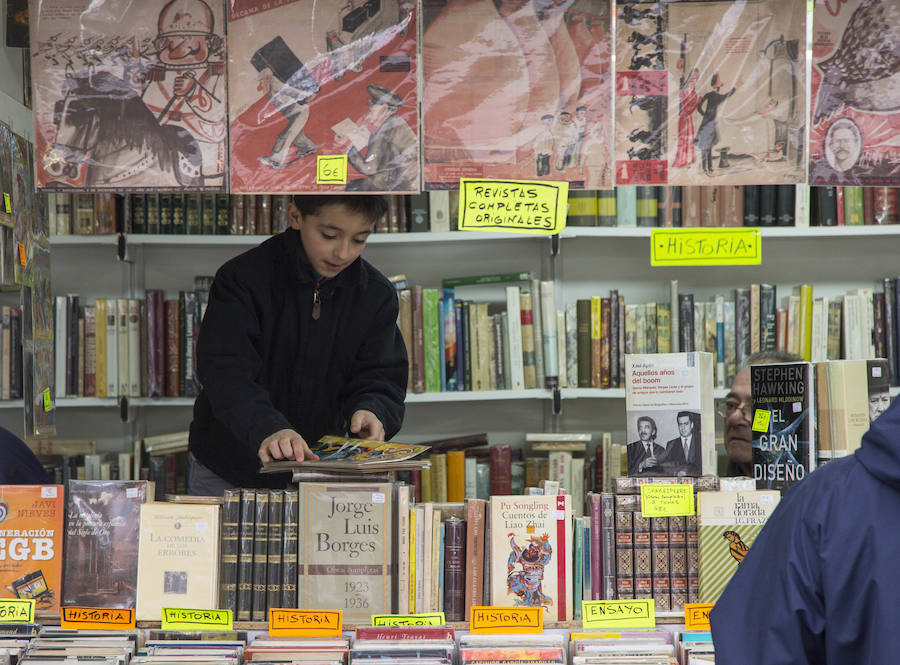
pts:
[461, 335]
[686, 317]
[112, 348]
[156, 343]
[582, 210]
[853, 205]
[245, 555]
[659, 555]
[890, 328]
[100, 346]
[514, 321]
[191, 327]
[90, 352]
[624, 531]
[501, 470]
[431, 322]
[646, 206]
[289, 545]
[529, 369]
[643, 566]
[475, 554]
[418, 385]
[693, 559]
[231, 518]
[122, 347]
[620, 354]
[678, 582]
[583, 323]
[171, 350]
[134, 347]
[754, 318]
[742, 325]
[606, 207]
[72, 357]
[607, 335]
[616, 325]
[260, 551]
[456, 476]
[570, 346]
[274, 565]
[449, 342]
[549, 335]
[537, 321]
[786, 203]
[404, 493]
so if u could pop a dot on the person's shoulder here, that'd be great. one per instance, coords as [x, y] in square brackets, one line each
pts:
[257, 260]
[373, 280]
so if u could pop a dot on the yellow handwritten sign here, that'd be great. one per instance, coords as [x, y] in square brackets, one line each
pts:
[506, 619]
[288, 622]
[48, 403]
[696, 616]
[737, 246]
[16, 610]
[6, 202]
[433, 619]
[639, 613]
[179, 618]
[331, 169]
[96, 618]
[514, 206]
[761, 420]
[667, 500]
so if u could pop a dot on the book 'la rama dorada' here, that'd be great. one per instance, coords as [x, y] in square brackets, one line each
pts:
[345, 555]
[783, 450]
[531, 553]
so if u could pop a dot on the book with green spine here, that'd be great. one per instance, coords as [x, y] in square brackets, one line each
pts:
[431, 322]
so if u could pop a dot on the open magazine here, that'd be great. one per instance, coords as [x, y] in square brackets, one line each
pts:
[337, 453]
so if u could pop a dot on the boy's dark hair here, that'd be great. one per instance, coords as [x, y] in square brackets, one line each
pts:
[372, 207]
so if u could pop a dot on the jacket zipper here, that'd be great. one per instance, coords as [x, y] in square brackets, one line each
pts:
[317, 301]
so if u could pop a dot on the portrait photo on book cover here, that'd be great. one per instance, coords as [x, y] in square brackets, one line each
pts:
[664, 442]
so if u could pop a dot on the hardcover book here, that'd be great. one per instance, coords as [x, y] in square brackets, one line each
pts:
[345, 558]
[531, 553]
[670, 416]
[309, 79]
[728, 523]
[102, 528]
[178, 558]
[784, 451]
[36, 569]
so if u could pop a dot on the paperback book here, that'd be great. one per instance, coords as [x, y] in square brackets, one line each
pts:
[338, 453]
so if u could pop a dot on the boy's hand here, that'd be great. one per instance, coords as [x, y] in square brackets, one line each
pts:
[365, 425]
[285, 444]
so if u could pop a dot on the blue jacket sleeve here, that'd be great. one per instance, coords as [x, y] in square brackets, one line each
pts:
[772, 611]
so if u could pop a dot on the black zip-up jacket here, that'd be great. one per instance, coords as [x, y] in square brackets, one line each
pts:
[265, 364]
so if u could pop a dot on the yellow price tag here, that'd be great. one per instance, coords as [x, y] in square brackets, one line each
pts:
[737, 246]
[761, 420]
[696, 616]
[16, 610]
[48, 403]
[289, 622]
[331, 169]
[667, 500]
[7, 202]
[23, 258]
[96, 618]
[513, 206]
[433, 619]
[179, 618]
[506, 619]
[639, 613]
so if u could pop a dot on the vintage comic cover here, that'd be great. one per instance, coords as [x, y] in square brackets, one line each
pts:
[535, 103]
[6, 176]
[531, 553]
[24, 210]
[31, 538]
[309, 79]
[129, 96]
[854, 88]
[710, 92]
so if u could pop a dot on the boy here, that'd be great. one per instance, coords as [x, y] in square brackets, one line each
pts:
[299, 340]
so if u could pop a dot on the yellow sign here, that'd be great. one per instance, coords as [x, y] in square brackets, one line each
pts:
[737, 246]
[639, 613]
[179, 618]
[696, 616]
[761, 420]
[23, 258]
[97, 618]
[6, 202]
[506, 619]
[514, 206]
[286, 622]
[331, 169]
[48, 404]
[433, 619]
[667, 500]
[16, 610]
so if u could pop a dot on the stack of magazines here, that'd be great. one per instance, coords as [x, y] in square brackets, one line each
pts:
[647, 647]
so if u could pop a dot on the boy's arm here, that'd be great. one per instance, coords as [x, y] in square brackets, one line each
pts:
[228, 362]
[378, 377]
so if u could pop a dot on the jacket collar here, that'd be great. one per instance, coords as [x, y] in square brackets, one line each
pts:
[353, 274]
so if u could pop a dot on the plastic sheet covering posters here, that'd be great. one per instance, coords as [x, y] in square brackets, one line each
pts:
[37, 340]
[323, 77]
[517, 89]
[855, 93]
[710, 92]
[6, 176]
[129, 95]
[24, 210]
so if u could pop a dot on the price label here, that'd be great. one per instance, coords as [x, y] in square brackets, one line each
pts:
[6, 202]
[696, 616]
[639, 613]
[48, 403]
[179, 618]
[290, 622]
[96, 618]
[23, 259]
[433, 619]
[667, 500]
[706, 247]
[331, 169]
[506, 619]
[17, 610]
[761, 419]
[513, 206]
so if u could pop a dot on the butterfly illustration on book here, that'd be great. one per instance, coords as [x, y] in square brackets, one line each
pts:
[737, 546]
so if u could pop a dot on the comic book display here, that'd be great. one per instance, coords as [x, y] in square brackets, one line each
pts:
[309, 79]
[854, 88]
[517, 89]
[710, 93]
[129, 96]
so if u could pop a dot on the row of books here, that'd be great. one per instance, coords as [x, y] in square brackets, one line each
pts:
[120, 347]
[10, 352]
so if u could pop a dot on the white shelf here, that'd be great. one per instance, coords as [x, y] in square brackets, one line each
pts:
[476, 396]
[789, 232]
[613, 393]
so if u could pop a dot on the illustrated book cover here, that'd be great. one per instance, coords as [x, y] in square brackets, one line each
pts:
[338, 453]
[129, 97]
[315, 79]
[670, 417]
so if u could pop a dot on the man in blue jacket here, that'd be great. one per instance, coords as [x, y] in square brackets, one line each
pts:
[819, 583]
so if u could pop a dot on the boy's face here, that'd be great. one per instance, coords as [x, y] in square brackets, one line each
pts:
[332, 238]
